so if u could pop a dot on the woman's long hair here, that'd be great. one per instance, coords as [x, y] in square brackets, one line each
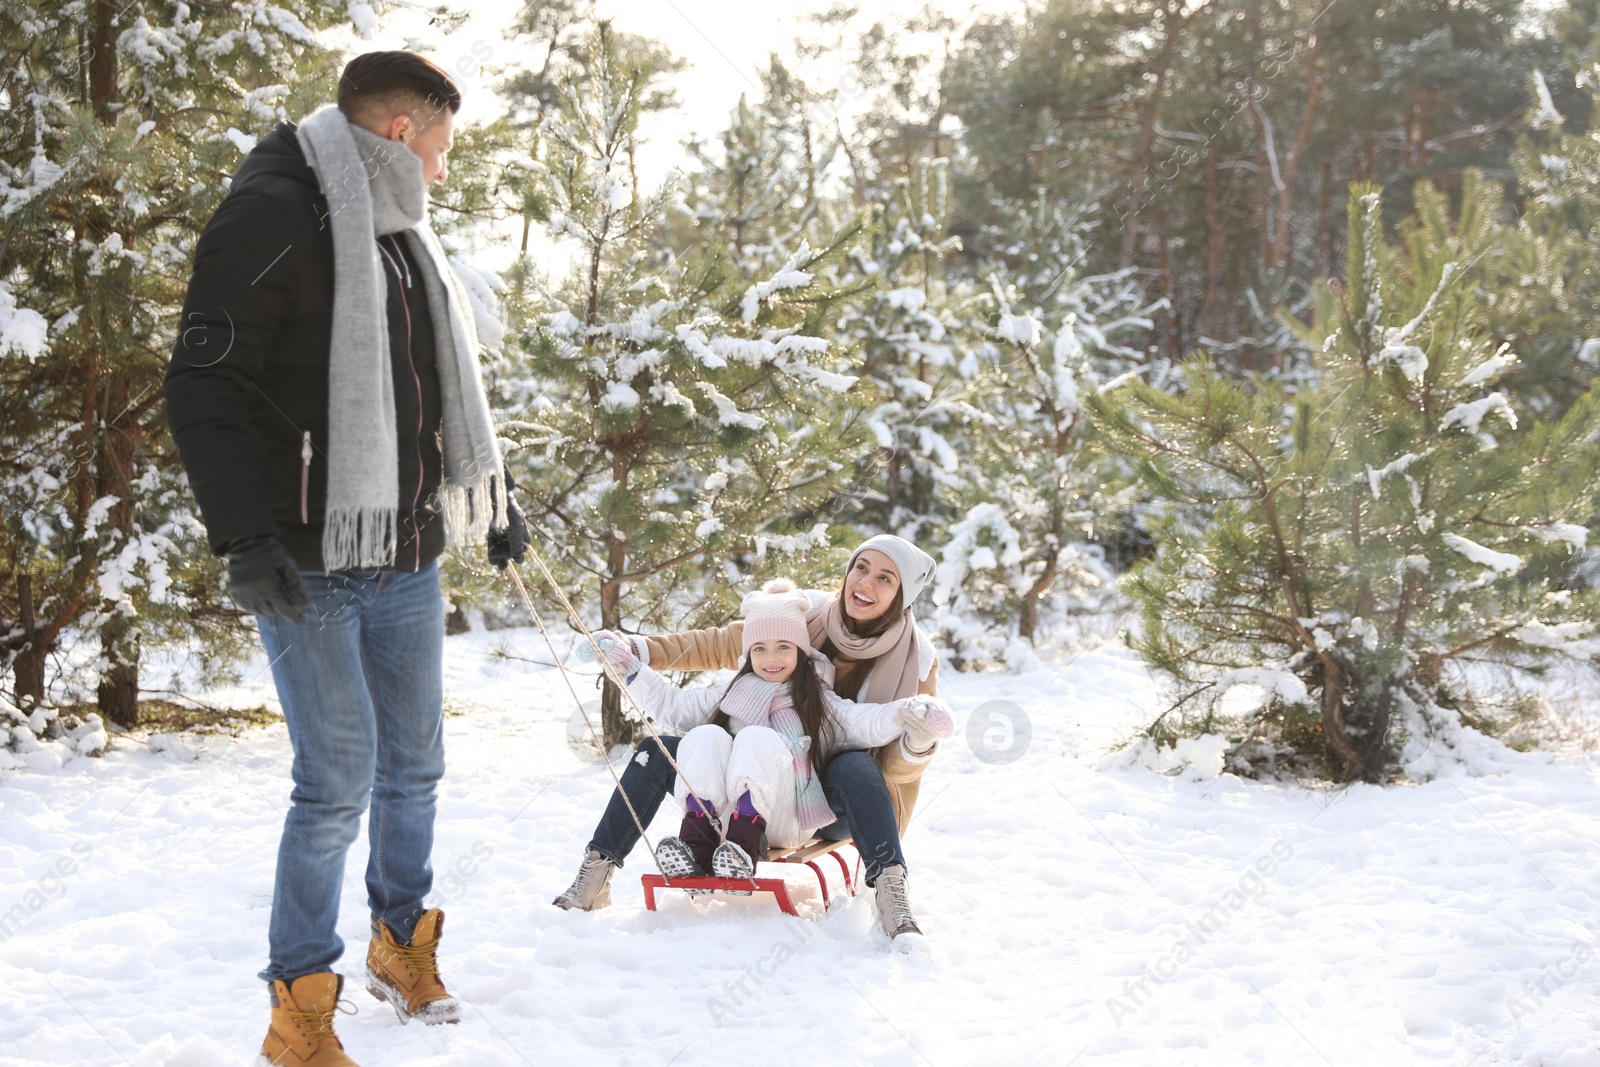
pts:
[805, 689]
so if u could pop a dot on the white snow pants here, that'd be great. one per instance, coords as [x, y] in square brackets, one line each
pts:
[720, 767]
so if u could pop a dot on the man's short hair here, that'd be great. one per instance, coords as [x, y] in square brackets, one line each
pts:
[376, 86]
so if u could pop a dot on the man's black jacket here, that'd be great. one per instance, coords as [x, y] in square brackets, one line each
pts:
[247, 388]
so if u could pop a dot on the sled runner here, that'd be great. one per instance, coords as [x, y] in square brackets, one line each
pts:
[806, 854]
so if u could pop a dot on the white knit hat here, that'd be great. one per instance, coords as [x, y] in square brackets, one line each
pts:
[915, 566]
[776, 613]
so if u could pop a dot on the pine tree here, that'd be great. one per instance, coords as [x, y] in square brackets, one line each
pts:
[756, 194]
[122, 121]
[910, 337]
[1032, 484]
[1361, 544]
[1542, 284]
[681, 418]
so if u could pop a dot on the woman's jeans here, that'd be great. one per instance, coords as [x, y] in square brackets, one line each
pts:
[362, 692]
[853, 784]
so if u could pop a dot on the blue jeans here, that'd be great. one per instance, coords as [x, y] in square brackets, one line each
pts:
[853, 784]
[646, 787]
[362, 692]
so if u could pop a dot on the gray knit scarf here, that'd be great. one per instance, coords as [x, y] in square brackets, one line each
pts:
[374, 187]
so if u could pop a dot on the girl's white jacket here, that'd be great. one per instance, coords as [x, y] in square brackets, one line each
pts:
[717, 768]
[855, 726]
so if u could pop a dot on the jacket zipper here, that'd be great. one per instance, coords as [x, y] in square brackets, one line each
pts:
[416, 379]
[305, 476]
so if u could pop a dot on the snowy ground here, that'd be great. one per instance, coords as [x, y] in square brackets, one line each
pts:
[1074, 915]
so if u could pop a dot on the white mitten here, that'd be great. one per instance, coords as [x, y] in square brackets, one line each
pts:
[934, 714]
[615, 649]
[916, 738]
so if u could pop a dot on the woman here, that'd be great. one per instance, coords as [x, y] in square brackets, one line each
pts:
[868, 632]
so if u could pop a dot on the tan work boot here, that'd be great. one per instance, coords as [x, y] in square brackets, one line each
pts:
[301, 1034]
[407, 976]
[592, 888]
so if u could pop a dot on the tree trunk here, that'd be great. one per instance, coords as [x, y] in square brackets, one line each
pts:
[115, 460]
[1209, 316]
[1355, 722]
[893, 489]
[118, 693]
[28, 668]
[103, 57]
[1282, 250]
[615, 729]
[1028, 617]
[1138, 180]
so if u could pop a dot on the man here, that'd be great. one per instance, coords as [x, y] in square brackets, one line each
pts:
[325, 395]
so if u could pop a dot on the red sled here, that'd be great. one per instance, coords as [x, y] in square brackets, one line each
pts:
[779, 889]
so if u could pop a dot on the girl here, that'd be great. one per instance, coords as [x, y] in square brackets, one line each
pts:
[754, 753]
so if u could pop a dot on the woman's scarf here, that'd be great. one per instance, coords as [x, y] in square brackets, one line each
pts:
[900, 656]
[755, 702]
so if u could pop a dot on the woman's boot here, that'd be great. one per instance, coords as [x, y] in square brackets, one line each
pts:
[592, 888]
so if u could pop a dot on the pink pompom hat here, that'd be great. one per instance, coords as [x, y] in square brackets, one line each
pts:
[777, 612]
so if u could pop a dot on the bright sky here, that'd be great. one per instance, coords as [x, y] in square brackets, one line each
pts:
[724, 41]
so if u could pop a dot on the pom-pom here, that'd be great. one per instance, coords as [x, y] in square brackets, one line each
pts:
[779, 585]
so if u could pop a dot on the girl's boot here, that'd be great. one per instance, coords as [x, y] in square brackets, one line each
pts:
[689, 854]
[699, 830]
[746, 844]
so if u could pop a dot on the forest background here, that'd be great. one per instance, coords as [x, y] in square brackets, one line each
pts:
[1272, 321]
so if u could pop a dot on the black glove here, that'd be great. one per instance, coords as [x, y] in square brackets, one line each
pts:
[265, 580]
[512, 542]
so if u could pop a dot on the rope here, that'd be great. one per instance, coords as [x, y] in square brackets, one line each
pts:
[611, 672]
[599, 738]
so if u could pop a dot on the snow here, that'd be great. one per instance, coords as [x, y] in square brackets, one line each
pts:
[1018, 329]
[789, 276]
[563, 323]
[905, 299]
[1118, 382]
[481, 288]
[698, 347]
[23, 331]
[1569, 638]
[1500, 562]
[1412, 360]
[788, 544]
[1375, 477]
[1117, 917]
[244, 142]
[40, 175]
[828, 379]
[1570, 532]
[1470, 416]
[620, 396]
[363, 18]
[1546, 116]
[1489, 367]
[962, 553]
[728, 413]
[1281, 684]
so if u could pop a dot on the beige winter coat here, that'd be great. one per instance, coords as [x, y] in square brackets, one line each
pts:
[719, 649]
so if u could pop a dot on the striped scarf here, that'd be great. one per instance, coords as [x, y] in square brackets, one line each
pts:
[753, 702]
